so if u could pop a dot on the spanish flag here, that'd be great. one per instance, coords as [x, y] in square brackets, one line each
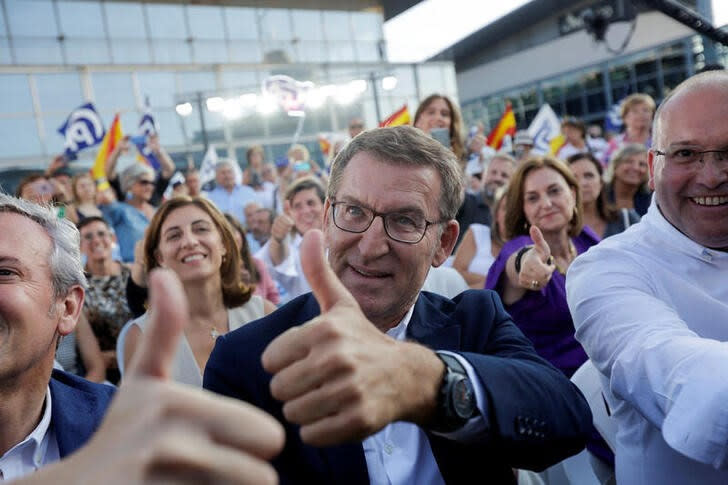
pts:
[324, 144]
[506, 126]
[112, 137]
[399, 117]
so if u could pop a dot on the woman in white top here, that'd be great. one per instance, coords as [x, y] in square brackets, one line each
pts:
[481, 245]
[191, 237]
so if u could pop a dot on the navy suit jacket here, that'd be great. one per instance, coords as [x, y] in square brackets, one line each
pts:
[78, 406]
[535, 416]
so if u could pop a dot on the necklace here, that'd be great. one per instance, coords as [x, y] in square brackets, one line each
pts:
[214, 333]
[572, 255]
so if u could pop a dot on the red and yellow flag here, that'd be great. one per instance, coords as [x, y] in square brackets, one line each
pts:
[324, 144]
[112, 137]
[399, 117]
[506, 126]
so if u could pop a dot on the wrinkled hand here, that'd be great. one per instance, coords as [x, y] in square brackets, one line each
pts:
[163, 432]
[340, 378]
[282, 226]
[536, 265]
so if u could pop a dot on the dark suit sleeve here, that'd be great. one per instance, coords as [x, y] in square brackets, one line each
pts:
[535, 416]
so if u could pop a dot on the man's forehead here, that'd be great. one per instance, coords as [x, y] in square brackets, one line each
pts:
[24, 239]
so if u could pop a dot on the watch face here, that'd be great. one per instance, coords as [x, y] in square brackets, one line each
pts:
[463, 399]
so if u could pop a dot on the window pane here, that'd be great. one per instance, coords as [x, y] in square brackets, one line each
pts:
[367, 51]
[50, 137]
[5, 57]
[15, 94]
[337, 25]
[171, 52]
[367, 26]
[210, 51]
[248, 127]
[247, 80]
[37, 51]
[3, 29]
[307, 24]
[87, 51]
[113, 91]
[159, 87]
[31, 18]
[405, 81]
[341, 51]
[19, 138]
[311, 51]
[166, 21]
[130, 51]
[431, 79]
[245, 51]
[206, 22]
[192, 82]
[81, 19]
[170, 128]
[59, 92]
[241, 23]
[275, 24]
[128, 20]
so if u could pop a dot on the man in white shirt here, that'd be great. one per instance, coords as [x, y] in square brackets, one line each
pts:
[229, 195]
[303, 211]
[651, 304]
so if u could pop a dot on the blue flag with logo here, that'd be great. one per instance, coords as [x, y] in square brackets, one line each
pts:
[147, 128]
[83, 129]
[613, 121]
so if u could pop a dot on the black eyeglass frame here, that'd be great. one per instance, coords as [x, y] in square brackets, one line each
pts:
[698, 153]
[376, 214]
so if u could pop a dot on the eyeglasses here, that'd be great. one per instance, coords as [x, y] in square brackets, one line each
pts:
[691, 155]
[147, 182]
[403, 227]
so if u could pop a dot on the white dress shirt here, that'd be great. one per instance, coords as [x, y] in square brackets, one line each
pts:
[37, 449]
[400, 453]
[288, 275]
[651, 309]
[233, 202]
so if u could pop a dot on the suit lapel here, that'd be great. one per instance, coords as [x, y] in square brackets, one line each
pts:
[346, 463]
[75, 416]
[431, 327]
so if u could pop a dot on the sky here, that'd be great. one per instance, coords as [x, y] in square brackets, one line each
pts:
[433, 25]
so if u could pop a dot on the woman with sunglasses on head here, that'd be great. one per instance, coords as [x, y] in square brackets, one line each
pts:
[191, 237]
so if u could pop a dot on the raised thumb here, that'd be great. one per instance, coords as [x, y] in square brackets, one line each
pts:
[539, 243]
[326, 286]
[167, 319]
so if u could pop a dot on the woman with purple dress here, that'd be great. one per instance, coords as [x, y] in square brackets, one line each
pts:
[544, 225]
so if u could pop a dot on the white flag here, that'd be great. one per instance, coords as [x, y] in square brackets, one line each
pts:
[544, 127]
[177, 178]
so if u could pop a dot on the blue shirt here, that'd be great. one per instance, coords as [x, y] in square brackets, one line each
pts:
[233, 202]
[129, 224]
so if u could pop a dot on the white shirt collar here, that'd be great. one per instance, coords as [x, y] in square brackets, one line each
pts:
[400, 330]
[30, 453]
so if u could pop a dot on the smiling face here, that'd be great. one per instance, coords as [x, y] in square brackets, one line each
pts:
[30, 315]
[498, 174]
[383, 275]
[548, 201]
[143, 187]
[693, 197]
[632, 170]
[436, 115]
[590, 182]
[190, 244]
[306, 210]
[96, 241]
[638, 116]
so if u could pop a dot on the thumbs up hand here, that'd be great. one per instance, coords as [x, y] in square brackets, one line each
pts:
[537, 264]
[340, 378]
[163, 432]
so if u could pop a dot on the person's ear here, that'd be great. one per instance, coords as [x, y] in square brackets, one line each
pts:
[447, 241]
[69, 310]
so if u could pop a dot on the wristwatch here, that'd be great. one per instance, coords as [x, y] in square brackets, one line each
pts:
[456, 399]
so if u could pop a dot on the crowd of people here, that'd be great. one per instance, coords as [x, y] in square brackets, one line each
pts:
[411, 311]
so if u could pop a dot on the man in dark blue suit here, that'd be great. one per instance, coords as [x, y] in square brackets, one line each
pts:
[44, 416]
[376, 382]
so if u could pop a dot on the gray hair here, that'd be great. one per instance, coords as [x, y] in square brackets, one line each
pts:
[132, 173]
[225, 162]
[65, 256]
[405, 145]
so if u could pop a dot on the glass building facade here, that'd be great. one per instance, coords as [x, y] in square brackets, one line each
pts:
[589, 93]
[55, 55]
